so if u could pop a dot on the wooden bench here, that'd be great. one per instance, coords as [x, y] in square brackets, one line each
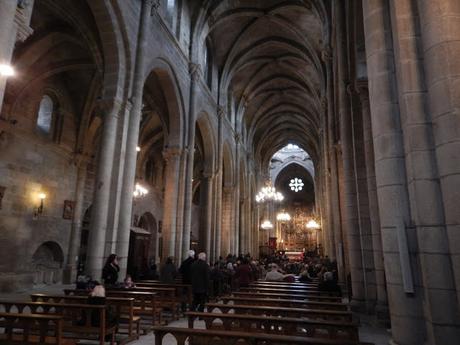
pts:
[124, 307]
[166, 297]
[207, 336]
[288, 296]
[145, 303]
[277, 325]
[30, 329]
[182, 290]
[281, 290]
[289, 303]
[77, 318]
[314, 314]
[284, 285]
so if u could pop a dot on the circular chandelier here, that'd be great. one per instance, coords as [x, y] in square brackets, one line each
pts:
[266, 225]
[269, 193]
[283, 217]
[296, 184]
[312, 224]
[139, 191]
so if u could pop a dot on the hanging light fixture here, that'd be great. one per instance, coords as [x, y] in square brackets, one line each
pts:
[266, 225]
[283, 217]
[312, 224]
[269, 193]
[139, 191]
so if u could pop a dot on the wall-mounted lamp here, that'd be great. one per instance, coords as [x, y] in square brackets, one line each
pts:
[140, 191]
[39, 209]
[6, 70]
[138, 149]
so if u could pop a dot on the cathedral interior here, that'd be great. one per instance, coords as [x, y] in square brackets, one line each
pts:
[147, 128]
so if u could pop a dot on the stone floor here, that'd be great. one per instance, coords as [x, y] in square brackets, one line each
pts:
[368, 332]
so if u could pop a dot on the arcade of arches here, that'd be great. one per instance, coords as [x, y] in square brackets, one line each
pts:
[194, 105]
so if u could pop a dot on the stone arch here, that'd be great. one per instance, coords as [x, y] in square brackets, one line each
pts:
[176, 108]
[307, 165]
[148, 222]
[47, 262]
[209, 141]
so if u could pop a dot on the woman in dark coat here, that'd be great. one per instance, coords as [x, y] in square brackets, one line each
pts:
[110, 270]
[168, 272]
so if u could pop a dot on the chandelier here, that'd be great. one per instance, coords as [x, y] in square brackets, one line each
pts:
[139, 191]
[283, 217]
[269, 193]
[296, 184]
[266, 225]
[313, 224]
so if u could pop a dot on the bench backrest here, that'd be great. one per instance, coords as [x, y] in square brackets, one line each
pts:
[315, 314]
[285, 303]
[33, 329]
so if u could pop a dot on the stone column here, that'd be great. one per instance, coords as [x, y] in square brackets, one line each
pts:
[171, 156]
[7, 38]
[98, 225]
[352, 222]
[206, 201]
[407, 324]
[195, 75]
[382, 300]
[426, 150]
[75, 232]
[226, 220]
[236, 233]
[180, 206]
[132, 139]
[218, 186]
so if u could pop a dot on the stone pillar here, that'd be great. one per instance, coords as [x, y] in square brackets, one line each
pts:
[75, 232]
[382, 300]
[352, 223]
[226, 220]
[206, 201]
[98, 225]
[195, 74]
[236, 199]
[442, 317]
[180, 207]
[7, 38]
[132, 139]
[407, 324]
[171, 156]
[218, 186]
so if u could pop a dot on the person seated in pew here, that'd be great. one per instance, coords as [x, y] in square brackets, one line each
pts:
[304, 276]
[128, 282]
[329, 284]
[243, 273]
[275, 275]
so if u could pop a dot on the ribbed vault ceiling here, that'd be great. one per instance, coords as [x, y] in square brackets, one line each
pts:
[269, 56]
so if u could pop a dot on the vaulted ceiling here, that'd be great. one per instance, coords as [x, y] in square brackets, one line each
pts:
[268, 54]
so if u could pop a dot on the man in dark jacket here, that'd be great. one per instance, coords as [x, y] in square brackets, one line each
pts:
[184, 268]
[200, 281]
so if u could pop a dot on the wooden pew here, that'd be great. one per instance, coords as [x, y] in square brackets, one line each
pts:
[205, 336]
[145, 303]
[314, 314]
[124, 307]
[166, 297]
[77, 318]
[281, 290]
[308, 297]
[28, 329]
[181, 289]
[338, 330]
[289, 303]
[284, 285]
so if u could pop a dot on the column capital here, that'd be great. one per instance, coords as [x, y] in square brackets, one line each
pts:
[362, 89]
[194, 70]
[81, 158]
[220, 111]
[171, 153]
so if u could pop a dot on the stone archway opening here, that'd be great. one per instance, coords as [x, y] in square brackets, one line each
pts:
[47, 263]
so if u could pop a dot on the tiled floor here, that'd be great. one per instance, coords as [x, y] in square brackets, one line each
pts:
[367, 333]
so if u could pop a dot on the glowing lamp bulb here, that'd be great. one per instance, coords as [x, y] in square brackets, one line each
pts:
[6, 70]
[138, 149]
[42, 196]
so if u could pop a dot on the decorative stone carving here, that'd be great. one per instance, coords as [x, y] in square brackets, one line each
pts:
[22, 20]
[171, 153]
[195, 71]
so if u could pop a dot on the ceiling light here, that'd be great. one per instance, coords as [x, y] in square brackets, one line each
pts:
[6, 70]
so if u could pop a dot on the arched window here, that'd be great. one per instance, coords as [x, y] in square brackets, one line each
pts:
[45, 114]
[170, 12]
[208, 64]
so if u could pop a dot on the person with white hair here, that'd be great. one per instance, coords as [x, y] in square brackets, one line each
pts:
[184, 270]
[200, 274]
[274, 274]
